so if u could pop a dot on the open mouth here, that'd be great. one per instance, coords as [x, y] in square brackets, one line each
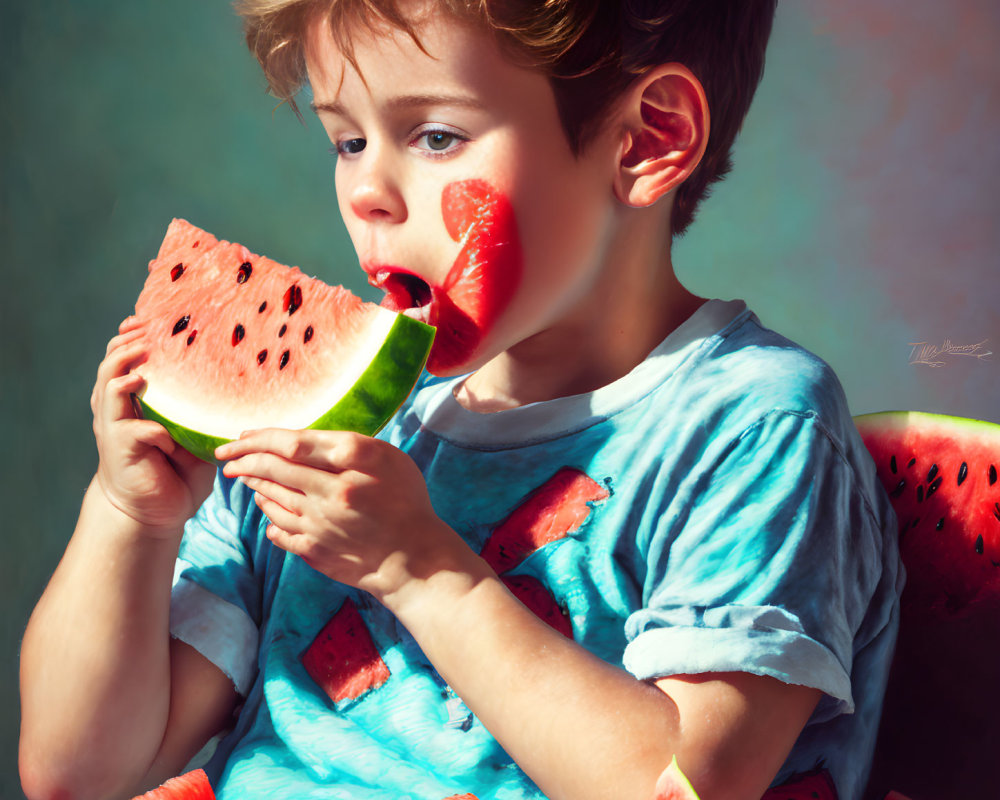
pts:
[403, 291]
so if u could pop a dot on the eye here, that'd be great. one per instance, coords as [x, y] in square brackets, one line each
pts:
[349, 147]
[438, 141]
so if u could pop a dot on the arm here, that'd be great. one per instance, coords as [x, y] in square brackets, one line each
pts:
[579, 727]
[96, 688]
[582, 728]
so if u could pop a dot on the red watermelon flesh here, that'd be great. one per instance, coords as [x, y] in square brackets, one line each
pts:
[941, 474]
[238, 341]
[189, 786]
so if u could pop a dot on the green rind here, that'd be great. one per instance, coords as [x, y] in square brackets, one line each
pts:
[673, 784]
[365, 408]
[880, 419]
[386, 382]
[198, 444]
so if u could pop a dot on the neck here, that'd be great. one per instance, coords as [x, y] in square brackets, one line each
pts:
[632, 306]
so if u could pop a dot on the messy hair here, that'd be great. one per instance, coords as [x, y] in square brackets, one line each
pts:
[590, 50]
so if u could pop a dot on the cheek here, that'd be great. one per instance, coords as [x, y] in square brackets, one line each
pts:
[484, 277]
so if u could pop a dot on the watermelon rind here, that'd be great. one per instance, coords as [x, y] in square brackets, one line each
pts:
[363, 407]
[673, 784]
[883, 420]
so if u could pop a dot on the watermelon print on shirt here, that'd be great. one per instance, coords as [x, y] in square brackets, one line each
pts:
[717, 511]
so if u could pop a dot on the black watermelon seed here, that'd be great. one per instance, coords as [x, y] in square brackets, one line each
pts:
[935, 485]
[261, 356]
[979, 544]
[996, 512]
[308, 334]
[181, 324]
[238, 334]
[293, 299]
[920, 493]
[963, 471]
[281, 331]
[176, 272]
[940, 524]
[892, 464]
[191, 337]
[243, 274]
[993, 474]
[262, 307]
[899, 489]
[933, 471]
[911, 462]
[283, 360]
[915, 521]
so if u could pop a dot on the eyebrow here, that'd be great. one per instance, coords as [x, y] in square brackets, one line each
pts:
[406, 101]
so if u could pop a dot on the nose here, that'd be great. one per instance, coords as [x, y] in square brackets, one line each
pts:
[374, 192]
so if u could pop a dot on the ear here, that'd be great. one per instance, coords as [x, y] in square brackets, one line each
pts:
[665, 124]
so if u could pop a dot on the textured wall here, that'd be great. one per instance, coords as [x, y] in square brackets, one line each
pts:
[860, 217]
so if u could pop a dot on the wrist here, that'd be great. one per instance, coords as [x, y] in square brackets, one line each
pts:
[435, 580]
[100, 505]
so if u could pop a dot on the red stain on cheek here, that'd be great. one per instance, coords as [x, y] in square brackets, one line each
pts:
[484, 277]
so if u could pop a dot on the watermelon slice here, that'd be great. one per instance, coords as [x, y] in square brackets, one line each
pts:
[189, 786]
[239, 342]
[941, 474]
[939, 730]
[674, 785]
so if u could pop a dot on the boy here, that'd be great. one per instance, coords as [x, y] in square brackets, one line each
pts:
[622, 523]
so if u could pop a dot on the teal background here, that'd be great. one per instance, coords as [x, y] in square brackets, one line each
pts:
[860, 217]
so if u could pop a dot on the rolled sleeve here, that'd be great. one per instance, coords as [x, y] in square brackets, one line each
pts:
[215, 599]
[769, 572]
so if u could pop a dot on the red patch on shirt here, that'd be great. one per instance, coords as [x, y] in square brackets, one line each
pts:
[343, 659]
[554, 510]
[814, 785]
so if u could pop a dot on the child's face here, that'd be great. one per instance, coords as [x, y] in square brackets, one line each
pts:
[458, 186]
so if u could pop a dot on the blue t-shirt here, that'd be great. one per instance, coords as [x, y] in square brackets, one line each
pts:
[714, 510]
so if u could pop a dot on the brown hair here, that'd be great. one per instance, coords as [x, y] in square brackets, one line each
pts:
[591, 50]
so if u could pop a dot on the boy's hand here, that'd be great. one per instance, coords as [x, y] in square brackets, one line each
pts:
[142, 471]
[352, 507]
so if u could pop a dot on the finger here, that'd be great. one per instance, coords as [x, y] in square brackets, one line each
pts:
[282, 517]
[288, 444]
[122, 359]
[290, 542]
[129, 335]
[332, 451]
[153, 434]
[274, 468]
[130, 322]
[289, 499]
[117, 401]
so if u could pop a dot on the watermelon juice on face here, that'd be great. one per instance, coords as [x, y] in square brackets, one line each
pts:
[480, 283]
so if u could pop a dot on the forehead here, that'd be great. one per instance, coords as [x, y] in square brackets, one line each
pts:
[446, 49]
